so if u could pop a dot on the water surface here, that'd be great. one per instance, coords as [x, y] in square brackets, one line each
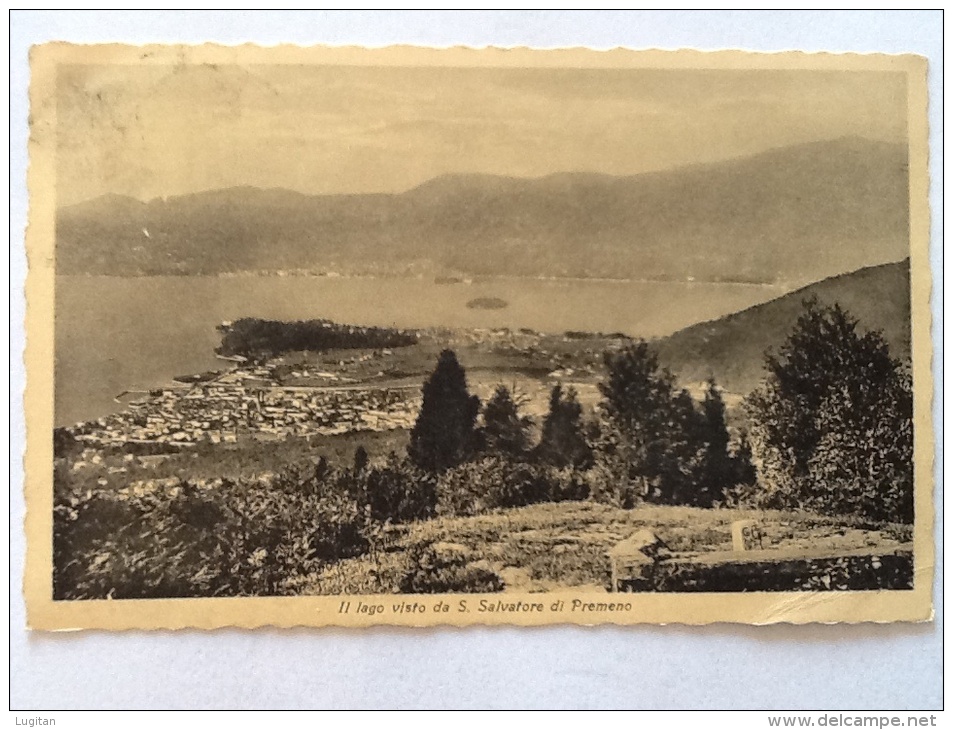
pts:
[115, 334]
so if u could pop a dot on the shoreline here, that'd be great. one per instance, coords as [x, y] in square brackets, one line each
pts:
[466, 280]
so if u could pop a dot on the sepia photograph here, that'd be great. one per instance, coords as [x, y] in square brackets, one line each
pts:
[462, 336]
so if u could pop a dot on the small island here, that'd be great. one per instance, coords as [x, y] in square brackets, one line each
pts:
[487, 303]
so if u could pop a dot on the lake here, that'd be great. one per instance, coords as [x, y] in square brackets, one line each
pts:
[116, 334]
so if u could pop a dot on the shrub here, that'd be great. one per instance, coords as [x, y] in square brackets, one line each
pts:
[495, 483]
[471, 488]
[862, 463]
[232, 538]
[396, 491]
[749, 496]
[444, 568]
[525, 484]
[569, 485]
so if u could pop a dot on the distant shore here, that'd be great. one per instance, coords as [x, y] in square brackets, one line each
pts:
[438, 279]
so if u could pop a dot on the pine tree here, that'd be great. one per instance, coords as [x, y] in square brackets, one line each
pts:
[444, 434]
[505, 431]
[637, 393]
[639, 421]
[563, 441]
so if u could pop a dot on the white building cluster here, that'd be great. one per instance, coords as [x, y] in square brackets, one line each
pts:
[243, 402]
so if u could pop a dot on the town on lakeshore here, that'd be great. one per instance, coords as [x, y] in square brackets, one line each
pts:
[304, 394]
[250, 401]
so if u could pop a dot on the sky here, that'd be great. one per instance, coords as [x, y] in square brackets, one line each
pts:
[164, 130]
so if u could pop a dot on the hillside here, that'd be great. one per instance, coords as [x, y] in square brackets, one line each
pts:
[795, 214]
[732, 348]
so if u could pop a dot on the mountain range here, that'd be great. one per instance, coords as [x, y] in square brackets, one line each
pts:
[795, 214]
[732, 348]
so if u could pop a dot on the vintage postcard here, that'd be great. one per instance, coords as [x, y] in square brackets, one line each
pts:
[342, 336]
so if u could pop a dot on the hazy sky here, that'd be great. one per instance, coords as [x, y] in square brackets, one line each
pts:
[150, 131]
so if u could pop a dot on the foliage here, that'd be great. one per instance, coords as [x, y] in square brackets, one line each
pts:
[722, 467]
[655, 443]
[437, 568]
[648, 445]
[743, 471]
[396, 491]
[636, 423]
[863, 462]
[495, 482]
[563, 441]
[231, 538]
[834, 420]
[444, 434]
[471, 488]
[65, 443]
[504, 430]
[681, 462]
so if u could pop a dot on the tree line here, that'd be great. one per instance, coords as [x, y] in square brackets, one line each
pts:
[831, 429]
[648, 440]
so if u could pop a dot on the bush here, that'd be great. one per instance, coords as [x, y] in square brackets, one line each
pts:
[232, 538]
[569, 485]
[496, 483]
[862, 463]
[750, 496]
[396, 491]
[444, 568]
[471, 488]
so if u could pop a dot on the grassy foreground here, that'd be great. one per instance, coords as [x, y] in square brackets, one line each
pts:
[560, 546]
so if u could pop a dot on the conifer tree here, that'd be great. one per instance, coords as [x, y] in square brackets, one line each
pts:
[638, 419]
[444, 434]
[505, 431]
[563, 441]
